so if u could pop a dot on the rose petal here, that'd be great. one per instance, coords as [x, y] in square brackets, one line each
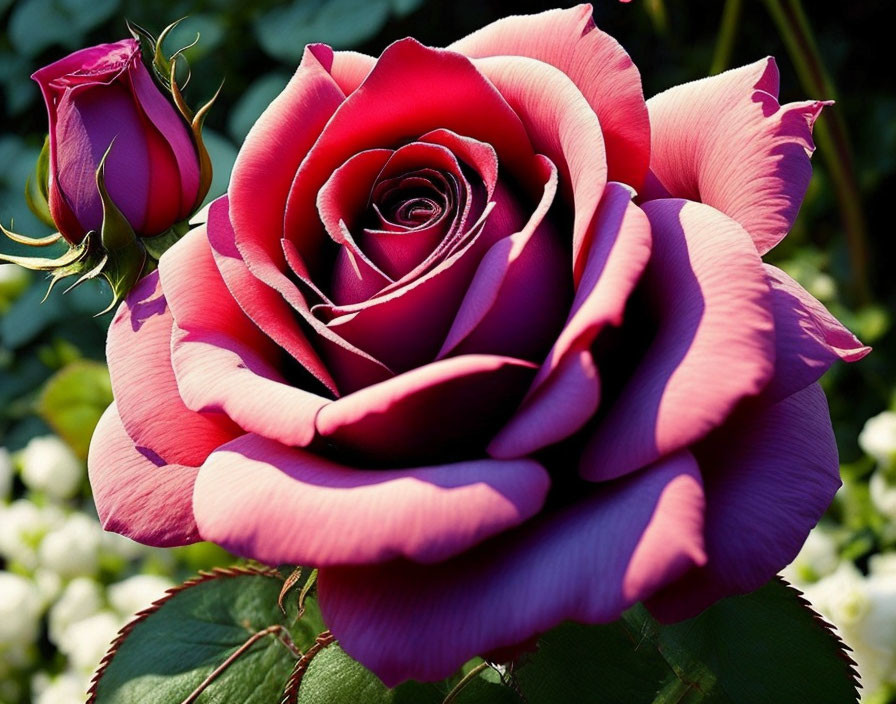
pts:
[137, 494]
[138, 350]
[280, 505]
[350, 68]
[87, 123]
[172, 127]
[268, 161]
[770, 474]
[441, 409]
[714, 343]
[403, 326]
[726, 141]
[428, 89]
[807, 337]
[221, 360]
[565, 393]
[564, 128]
[520, 292]
[596, 63]
[587, 563]
[274, 315]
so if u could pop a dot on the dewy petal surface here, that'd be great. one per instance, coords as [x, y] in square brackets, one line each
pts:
[588, 563]
[770, 473]
[596, 63]
[283, 505]
[726, 141]
[714, 343]
[137, 494]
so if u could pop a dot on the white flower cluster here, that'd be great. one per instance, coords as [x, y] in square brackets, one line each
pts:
[862, 607]
[54, 549]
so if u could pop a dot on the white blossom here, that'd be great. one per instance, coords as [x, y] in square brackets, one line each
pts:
[878, 438]
[72, 549]
[67, 688]
[86, 641]
[883, 495]
[863, 609]
[817, 558]
[49, 465]
[82, 597]
[20, 610]
[23, 526]
[136, 593]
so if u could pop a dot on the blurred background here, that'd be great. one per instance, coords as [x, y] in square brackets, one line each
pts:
[66, 586]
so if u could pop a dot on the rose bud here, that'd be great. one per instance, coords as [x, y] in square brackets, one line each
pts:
[104, 96]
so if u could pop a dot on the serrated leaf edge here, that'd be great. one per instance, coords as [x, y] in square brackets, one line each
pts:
[842, 648]
[202, 577]
[291, 692]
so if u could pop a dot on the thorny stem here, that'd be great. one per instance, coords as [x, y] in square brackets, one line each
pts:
[831, 134]
[465, 680]
[194, 695]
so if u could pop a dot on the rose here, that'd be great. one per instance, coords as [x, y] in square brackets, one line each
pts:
[104, 96]
[430, 345]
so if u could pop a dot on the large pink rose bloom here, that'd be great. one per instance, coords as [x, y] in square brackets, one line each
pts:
[489, 340]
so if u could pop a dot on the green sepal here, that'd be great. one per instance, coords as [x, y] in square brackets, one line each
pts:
[165, 69]
[157, 245]
[37, 187]
[196, 121]
[75, 254]
[124, 256]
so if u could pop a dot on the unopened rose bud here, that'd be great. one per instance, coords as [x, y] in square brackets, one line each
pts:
[104, 96]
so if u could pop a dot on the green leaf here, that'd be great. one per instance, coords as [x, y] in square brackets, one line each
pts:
[768, 646]
[284, 31]
[73, 400]
[333, 677]
[171, 649]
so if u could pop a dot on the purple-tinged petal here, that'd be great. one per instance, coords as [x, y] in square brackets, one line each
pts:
[279, 505]
[566, 390]
[588, 563]
[807, 337]
[770, 473]
[713, 346]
